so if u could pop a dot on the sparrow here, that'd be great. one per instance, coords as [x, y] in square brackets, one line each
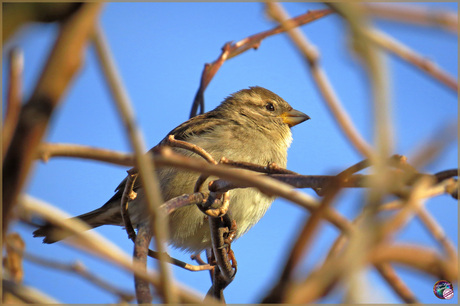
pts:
[252, 125]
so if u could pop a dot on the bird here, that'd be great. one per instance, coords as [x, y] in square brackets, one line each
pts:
[251, 125]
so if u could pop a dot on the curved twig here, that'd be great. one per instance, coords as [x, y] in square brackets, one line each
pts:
[230, 50]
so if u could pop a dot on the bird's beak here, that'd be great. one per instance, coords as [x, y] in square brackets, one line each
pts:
[294, 117]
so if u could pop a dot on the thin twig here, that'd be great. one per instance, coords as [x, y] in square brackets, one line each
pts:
[415, 14]
[47, 150]
[124, 204]
[311, 56]
[230, 50]
[269, 169]
[143, 164]
[172, 142]
[392, 45]
[263, 183]
[181, 264]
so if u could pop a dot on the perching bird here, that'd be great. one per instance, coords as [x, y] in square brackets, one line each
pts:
[251, 125]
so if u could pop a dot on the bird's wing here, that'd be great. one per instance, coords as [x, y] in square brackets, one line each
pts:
[198, 125]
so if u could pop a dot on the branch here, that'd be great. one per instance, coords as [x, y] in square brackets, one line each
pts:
[409, 13]
[25, 294]
[143, 164]
[396, 283]
[165, 157]
[128, 194]
[95, 244]
[62, 65]
[390, 44]
[311, 57]
[47, 150]
[141, 248]
[420, 258]
[79, 269]
[230, 50]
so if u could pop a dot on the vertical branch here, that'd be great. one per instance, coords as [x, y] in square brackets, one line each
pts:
[62, 65]
[392, 45]
[141, 248]
[359, 26]
[143, 162]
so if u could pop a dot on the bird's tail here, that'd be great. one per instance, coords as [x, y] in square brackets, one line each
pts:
[95, 218]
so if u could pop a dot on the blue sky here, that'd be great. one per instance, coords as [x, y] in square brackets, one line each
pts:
[160, 49]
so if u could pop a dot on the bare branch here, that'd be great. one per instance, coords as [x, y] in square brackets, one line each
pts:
[141, 248]
[230, 50]
[25, 294]
[420, 258]
[396, 283]
[95, 244]
[172, 142]
[48, 150]
[311, 56]
[392, 45]
[409, 13]
[63, 63]
[143, 164]
[124, 203]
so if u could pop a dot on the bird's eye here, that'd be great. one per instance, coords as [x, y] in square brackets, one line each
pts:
[269, 106]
